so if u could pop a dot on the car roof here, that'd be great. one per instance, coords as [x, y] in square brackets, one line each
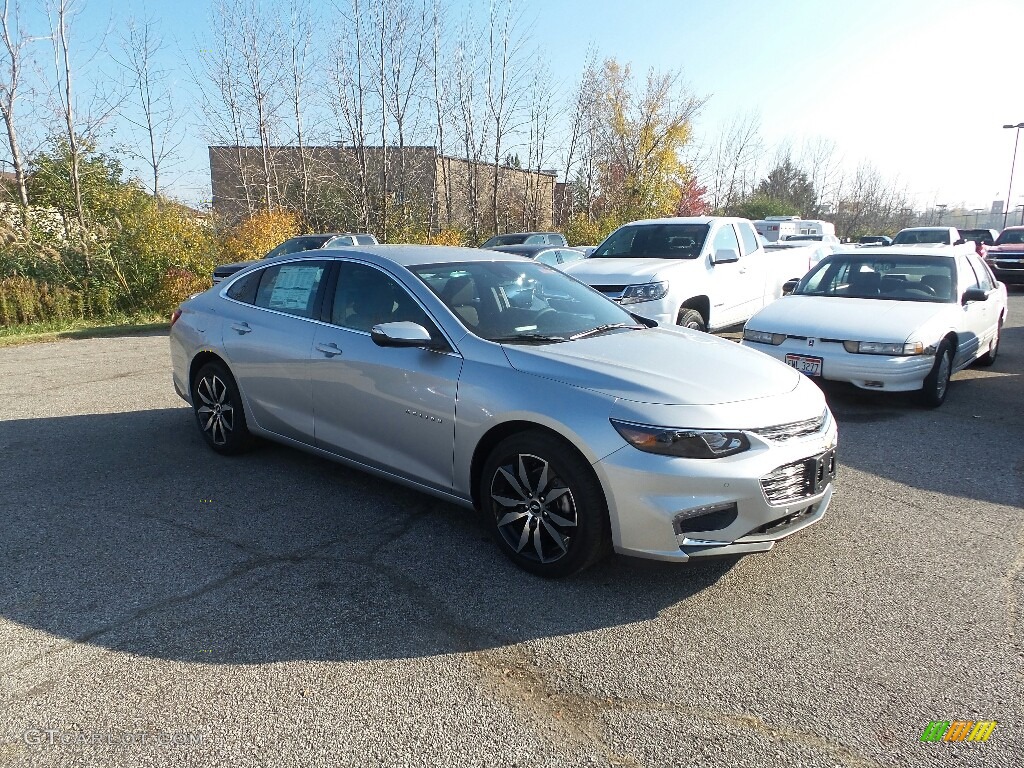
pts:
[412, 255]
[931, 251]
[530, 248]
[686, 220]
[926, 229]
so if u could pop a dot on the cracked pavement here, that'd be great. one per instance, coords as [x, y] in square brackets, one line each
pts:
[163, 605]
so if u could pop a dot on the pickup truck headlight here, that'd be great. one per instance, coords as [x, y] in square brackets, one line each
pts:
[634, 294]
[763, 337]
[687, 443]
[885, 348]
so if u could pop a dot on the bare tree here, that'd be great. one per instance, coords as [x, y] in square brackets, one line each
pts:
[16, 45]
[301, 32]
[734, 159]
[157, 116]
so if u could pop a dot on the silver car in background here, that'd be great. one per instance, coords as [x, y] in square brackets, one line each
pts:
[504, 385]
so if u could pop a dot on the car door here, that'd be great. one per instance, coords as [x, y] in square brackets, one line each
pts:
[989, 310]
[973, 316]
[754, 260]
[389, 407]
[731, 280]
[268, 334]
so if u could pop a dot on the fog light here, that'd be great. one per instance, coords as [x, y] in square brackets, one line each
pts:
[709, 518]
[876, 384]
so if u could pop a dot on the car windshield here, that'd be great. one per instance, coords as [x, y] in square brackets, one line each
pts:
[659, 241]
[299, 244]
[916, 236]
[806, 237]
[504, 240]
[889, 278]
[521, 302]
[1011, 237]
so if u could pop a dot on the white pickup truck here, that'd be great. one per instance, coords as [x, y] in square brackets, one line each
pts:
[707, 272]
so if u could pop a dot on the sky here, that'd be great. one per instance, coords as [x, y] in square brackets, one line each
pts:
[918, 88]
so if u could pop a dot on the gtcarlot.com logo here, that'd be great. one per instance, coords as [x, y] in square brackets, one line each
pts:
[52, 737]
[958, 730]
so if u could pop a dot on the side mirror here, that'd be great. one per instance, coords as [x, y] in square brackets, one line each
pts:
[402, 334]
[789, 286]
[974, 294]
[961, 241]
[724, 256]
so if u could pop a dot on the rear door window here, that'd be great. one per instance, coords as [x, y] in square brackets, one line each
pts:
[749, 237]
[292, 288]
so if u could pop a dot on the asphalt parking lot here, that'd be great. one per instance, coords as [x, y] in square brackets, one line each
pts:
[162, 605]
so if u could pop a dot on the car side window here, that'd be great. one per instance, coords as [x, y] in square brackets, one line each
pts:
[244, 288]
[569, 255]
[749, 238]
[980, 270]
[366, 297]
[292, 288]
[549, 257]
[726, 238]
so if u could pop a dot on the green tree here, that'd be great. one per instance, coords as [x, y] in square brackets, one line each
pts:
[788, 184]
[759, 206]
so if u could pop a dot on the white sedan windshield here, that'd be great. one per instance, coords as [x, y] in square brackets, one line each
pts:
[892, 278]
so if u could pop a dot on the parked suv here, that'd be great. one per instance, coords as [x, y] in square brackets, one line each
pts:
[928, 236]
[297, 245]
[1006, 256]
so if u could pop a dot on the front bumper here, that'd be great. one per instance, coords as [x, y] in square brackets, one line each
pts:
[1008, 269]
[899, 373]
[652, 497]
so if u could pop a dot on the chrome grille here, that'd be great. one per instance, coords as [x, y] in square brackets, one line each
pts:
[783, 432]
[788, 483]
[800, 479]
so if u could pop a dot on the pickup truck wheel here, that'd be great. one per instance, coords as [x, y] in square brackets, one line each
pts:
[691, 318]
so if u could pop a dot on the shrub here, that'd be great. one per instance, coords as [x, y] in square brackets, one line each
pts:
[260, 233]
[23, 300]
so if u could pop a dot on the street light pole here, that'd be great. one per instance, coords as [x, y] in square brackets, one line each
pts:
[1013, 163]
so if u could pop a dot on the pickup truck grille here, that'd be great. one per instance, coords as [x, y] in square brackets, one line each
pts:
[794, 429]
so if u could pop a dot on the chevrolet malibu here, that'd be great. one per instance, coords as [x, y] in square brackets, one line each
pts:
[893, 319]
[503, 385]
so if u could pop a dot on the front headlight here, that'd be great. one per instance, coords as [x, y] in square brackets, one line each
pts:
[687, 443]
[763, 337]
[884, 348]
[634, 294]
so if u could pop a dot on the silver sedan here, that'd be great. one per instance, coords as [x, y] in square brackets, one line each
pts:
[506, 386]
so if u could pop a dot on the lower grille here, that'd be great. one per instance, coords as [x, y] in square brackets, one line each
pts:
[799, 480]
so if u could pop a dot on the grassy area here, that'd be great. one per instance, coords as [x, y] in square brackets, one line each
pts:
[13, 335]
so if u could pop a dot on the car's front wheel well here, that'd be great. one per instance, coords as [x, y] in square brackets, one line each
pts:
[701, 304]
[494, 436]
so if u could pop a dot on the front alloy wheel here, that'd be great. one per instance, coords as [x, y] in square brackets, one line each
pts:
[549, 514]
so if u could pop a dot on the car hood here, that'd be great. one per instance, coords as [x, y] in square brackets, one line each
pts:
[659, 365]
[619, 271]
[824, 317]
[1005, 249]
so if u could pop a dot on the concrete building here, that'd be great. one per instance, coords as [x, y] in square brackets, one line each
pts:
[414, 186]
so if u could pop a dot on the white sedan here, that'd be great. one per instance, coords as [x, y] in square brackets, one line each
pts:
[892, 319]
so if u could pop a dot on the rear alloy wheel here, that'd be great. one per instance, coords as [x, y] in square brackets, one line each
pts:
[936, 383]
[550, 516]
[993, 348]
[691, 318]
[218, 409]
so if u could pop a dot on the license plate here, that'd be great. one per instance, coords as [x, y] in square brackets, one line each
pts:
[807, 365]
[823, 470]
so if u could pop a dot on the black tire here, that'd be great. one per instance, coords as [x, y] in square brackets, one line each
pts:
[217, 406]
[936, 383]
[691, 318]
[545, 533]
[993, 350]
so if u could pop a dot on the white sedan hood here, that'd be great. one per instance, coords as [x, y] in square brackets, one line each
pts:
[827, 317]
[659, 365]
[617, 271]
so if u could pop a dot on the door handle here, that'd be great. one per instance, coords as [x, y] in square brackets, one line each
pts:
[328, 349]
[242, 328]
[743, 271]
